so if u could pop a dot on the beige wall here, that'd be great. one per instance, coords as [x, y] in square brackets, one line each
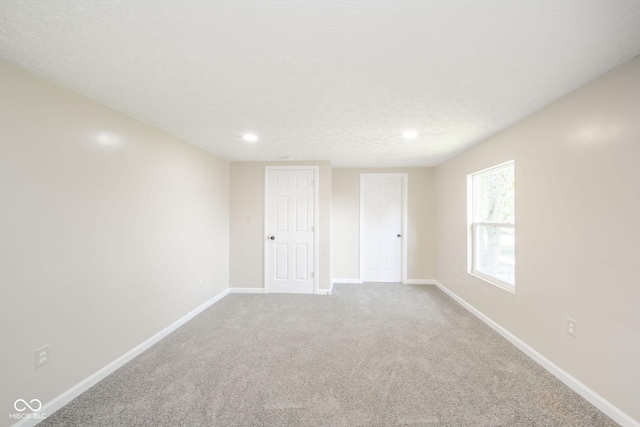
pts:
[577, 233]
[103, 240]
[247, 234]
[345, 233]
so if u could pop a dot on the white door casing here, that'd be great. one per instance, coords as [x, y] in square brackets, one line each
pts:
[383, 200]
[290, 229]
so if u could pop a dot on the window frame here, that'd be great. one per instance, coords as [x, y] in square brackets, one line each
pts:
[472, 229]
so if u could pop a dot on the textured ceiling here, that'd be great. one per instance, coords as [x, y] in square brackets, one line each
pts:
[335, 80]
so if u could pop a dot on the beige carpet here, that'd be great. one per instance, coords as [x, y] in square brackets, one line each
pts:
[368, 355]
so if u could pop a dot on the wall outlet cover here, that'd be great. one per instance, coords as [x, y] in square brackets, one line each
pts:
[571, 327]
[42, 356]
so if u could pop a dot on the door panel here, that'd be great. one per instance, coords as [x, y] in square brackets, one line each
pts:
[290, 221]
[282, 214]
[382, 224]
[302, 262]
[302, 208]
[282, 258]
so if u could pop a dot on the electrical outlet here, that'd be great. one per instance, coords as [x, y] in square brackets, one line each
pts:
[200, 283]
[571, 327]
[42, 356]
[249, 218]
[457, 270]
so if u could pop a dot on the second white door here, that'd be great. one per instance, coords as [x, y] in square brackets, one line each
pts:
[381, 228]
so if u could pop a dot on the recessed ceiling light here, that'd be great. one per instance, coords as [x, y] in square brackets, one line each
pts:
[250, 137]
[409, 134]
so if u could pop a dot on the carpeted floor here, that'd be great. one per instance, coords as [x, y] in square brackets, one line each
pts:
[368, 355]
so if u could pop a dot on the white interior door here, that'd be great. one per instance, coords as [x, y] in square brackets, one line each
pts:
[290, 227]
[381, 228]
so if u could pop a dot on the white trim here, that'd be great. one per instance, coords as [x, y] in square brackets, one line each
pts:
[493, 281]
[346, 281]
[316, 221]
[247, 291]
[591, 396]
[67, 396]
[494, 167]
[405, 207]
[418, 282]
[316, 228]
[266, 233]
[496, 224]
[360, 229]
[323, 292]
[405, 227]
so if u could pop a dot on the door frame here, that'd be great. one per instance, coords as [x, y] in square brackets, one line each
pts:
[316, 196]
[404, 229]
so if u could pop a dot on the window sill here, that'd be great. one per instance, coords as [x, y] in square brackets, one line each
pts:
[495, 282]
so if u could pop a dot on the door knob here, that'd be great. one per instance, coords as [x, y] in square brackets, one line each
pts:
[399, 235]
[272, 237]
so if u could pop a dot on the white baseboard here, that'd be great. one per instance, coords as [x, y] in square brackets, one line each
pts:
[246, 290]
[405, 282]
[261, 291]
[330, 291]
[419, 282]
[357, 281]
[84, 385]
[591, 396]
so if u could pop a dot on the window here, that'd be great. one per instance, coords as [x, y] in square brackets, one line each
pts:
[492, 225]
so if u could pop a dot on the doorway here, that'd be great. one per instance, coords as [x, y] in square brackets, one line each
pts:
[383, 200]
